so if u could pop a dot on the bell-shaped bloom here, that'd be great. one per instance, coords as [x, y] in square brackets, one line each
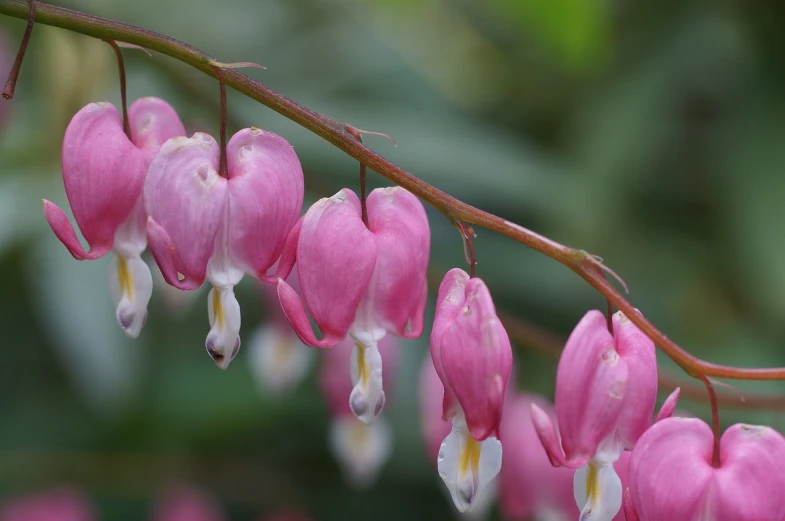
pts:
[361, 449]
[103, 173]
[204, 226]
[671, 475]
[472, 355]
[606, 389]
[531, 488]
[361, 281]
[187, 504]
[278, 359]
[61, 504]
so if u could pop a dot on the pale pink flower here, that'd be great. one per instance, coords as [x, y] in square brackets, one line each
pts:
[104, 172]
[60, 504]
[472, 355]
[204, 226]
[606, 389]
[361, 281]
[671, 475]
[186, 503]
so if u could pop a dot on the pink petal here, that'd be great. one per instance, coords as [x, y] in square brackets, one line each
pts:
[640, 397]
[399, 287]
[103, 173]
[153, 121]
[629, 509]
[295, 312]
[186, 197]
[448, 302]
[65, 232]
[670, 470]
[666, 411]
[529, 483]
[336, 255]
[477, 358]
[288, 257]
[590, 388]
[187, 504]
[265, 197]
[546, 432]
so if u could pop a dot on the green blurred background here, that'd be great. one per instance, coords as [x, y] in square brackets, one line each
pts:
[651, 133]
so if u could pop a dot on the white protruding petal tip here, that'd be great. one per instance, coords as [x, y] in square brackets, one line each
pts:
[279, 361]
[361, 450]
[367, 398]
[467, 466]
[598, 491]
[131, 286]
[223, 340]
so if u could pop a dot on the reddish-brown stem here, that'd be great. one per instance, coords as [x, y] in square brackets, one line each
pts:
[715, 420]
[223, 170]
[123, 96]
[609, 316]
[550, 344]
[356, 133]
[581, 262]
[13, 76]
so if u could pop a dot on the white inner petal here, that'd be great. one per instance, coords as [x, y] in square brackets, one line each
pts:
[223, 340]
[361, 450]
[467, 466]
[279, 360]
[131, 286]
[597, 490]
[367, 398]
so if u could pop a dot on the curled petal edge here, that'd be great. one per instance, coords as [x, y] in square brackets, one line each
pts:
[295, 312]
[629, 509]
[64, 231]
[163, 252]
[546, 431]
[288, 256]
[668, 406]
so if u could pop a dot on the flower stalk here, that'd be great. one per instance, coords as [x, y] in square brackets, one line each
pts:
[581, 262]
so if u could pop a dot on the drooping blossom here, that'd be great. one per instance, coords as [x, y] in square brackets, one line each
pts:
[278, 359]
[205, 226]
[531, 488]
[361, 281]
[103, 173]
[360, 449]
[185, 503]
[606, 389]
[672, 477]
[473, 358]
[60, 504]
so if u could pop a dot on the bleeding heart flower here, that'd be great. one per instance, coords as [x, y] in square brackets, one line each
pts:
[606, 389]
[531, 488]
[103, 172]
[62, 504]
[473, 358]
[187, 504]
[361, 281]
[361, 450]
[278, 359]
[671, 475]
[202, 225]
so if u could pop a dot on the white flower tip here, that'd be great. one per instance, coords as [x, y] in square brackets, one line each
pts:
[131, 286]
[361, 450]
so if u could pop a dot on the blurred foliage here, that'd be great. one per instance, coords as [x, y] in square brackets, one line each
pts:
[647, 132]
